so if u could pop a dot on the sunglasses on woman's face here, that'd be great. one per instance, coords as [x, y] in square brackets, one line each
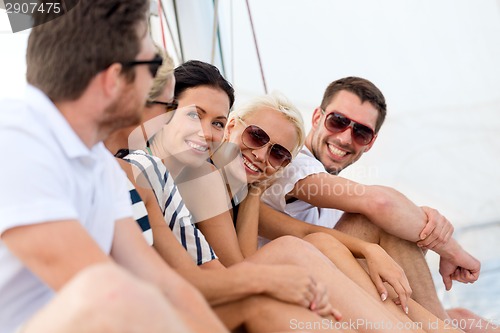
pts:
[254, 137]
[336, 123]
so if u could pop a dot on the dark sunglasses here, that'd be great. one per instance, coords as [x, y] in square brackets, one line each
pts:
[254, 137]
[336, 123]
[154, 64]
[169, 106]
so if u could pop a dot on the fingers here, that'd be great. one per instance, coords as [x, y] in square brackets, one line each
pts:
[447, 282]
[431, 222]
[403, 296]
[307, 300]
[401, 286]
[460, 275]
[473, 276]
[394, 275]
[437, 231]
[436, 240]
[316, 301]
[429, 226]
[431, 234]
[336, 314]
[447, 270]
[443, 238]
[382, 290]
[329, 310]
[300, 290]
[465, 276]
[397, 301]
[321, 303]
[308, 296]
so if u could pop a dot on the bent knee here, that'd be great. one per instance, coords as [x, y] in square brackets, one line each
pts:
[353, 223]
[321, 237]
[284, 250]
[290, 242]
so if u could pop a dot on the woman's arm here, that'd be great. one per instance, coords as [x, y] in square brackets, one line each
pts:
[220, 234]
[240, 241]
[247, 222]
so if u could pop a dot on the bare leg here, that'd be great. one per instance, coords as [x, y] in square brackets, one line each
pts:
[106, 299]
[343, 259]
[261, 314]
[405, 253]
[353, 302]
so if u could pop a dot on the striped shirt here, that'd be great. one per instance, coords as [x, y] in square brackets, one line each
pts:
[178, 217]
[140, 213]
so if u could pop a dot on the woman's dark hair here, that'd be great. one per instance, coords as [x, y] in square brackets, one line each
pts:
[195, 73]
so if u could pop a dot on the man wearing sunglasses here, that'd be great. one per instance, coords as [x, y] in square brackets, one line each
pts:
[72, 257]
[344, 127]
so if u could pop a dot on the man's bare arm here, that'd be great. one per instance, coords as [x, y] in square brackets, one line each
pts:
[384, 206]
[55, 251]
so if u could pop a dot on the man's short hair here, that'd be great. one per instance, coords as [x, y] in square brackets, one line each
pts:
[364, 89]
[65, 53]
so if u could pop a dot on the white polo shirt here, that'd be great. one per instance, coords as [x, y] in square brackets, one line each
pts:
[48, 174]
